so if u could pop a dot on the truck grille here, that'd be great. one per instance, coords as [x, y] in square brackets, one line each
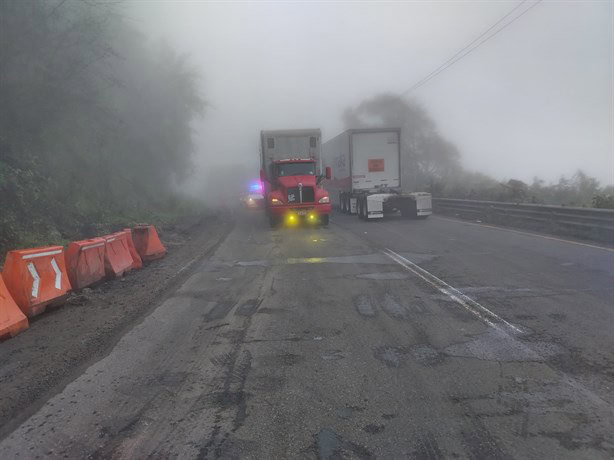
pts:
[294, 195]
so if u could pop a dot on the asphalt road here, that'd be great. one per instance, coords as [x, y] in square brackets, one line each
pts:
[398, 339]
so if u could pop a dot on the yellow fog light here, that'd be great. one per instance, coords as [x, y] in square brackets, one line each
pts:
[312, 217]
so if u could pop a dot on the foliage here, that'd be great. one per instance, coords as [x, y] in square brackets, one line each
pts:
[95, 122]
[430, 156]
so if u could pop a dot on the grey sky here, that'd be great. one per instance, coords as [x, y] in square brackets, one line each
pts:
[535, 100]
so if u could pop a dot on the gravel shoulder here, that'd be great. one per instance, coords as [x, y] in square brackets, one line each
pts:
[63, 342]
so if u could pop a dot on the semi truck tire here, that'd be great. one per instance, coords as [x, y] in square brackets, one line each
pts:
[362, 208]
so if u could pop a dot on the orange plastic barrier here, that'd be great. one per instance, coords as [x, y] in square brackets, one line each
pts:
[85, 262]
[12, 320]
[147, 242]
[117, 258]
[36, 278]
[136, 259]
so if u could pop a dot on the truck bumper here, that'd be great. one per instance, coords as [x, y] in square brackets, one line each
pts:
[301, 210]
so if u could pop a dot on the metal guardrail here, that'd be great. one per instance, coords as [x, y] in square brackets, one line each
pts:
[587, 223]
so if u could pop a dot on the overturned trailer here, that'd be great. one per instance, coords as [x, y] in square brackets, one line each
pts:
[366, 165]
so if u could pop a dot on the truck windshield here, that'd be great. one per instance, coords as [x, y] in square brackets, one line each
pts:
[296, 169]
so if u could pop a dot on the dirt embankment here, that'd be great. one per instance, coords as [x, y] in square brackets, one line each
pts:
[62, 342]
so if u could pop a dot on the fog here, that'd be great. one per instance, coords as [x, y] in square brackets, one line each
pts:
[535, 100]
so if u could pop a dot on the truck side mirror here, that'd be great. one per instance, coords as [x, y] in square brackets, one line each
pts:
[262, 176]
[328, 173]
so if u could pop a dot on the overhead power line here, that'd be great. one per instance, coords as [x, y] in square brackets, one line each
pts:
[473, 45]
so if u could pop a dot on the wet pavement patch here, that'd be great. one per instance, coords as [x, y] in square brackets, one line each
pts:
[285, 359]
[348, 411]
[219, 311]
[425, 354]
[332, 355]
[373, 429]
[330, 446]
[363, 306]
[249, 307]
[390, 356]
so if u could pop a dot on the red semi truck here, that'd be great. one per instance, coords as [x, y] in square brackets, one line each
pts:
[291, 172]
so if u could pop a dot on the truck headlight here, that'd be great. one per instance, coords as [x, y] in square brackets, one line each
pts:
[276, 201]
[324, 199]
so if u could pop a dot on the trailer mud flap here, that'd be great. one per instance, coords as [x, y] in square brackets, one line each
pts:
[375, 207]
[353, 206]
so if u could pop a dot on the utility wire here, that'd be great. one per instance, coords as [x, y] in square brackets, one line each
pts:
[467, 46]
[481, 39]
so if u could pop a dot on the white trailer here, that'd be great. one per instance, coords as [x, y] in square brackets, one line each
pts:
[287, 144]
[366, 166]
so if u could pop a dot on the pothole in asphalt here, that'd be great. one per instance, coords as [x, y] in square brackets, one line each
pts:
[425, 354]
[363, 305]
[393, 308]
[495, 345]
[390, 356]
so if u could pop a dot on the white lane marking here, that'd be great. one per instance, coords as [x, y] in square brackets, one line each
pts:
[36, 279]
[483, 313]
[90, 246]
[58, 274]
[520, 232]
[41, 254]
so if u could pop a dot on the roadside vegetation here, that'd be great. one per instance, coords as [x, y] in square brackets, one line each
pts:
[95, 123]
[436, 162]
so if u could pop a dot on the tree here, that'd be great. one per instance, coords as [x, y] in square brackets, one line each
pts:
[96, 121]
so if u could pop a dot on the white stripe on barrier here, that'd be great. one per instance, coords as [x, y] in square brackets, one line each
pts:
[41, 254]
[90, 246]
[110, 239]
[58, 274]
[36, 279]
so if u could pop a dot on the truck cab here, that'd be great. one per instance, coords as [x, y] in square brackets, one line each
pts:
[294, 194]
[291, 173]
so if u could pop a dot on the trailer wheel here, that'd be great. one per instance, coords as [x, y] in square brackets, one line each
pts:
[361, 208]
